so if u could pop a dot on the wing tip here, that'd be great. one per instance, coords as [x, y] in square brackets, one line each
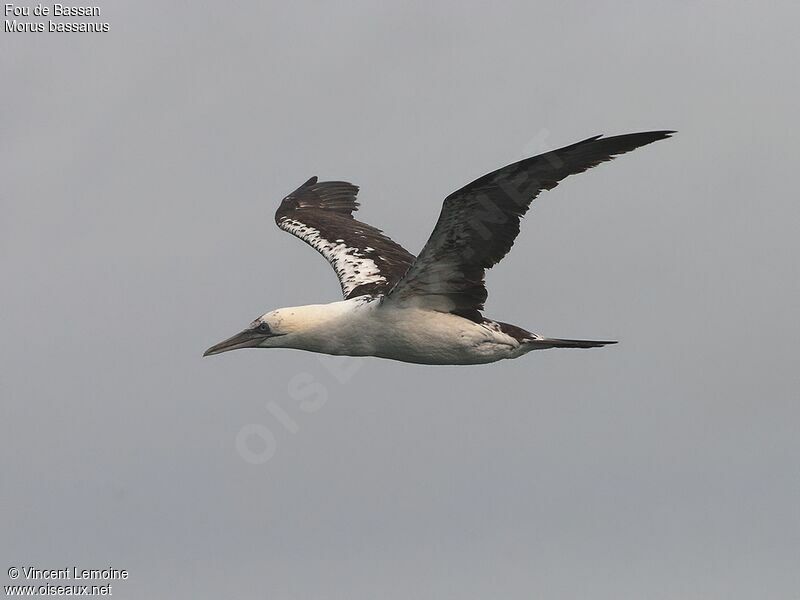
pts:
[653, 135]
[647, 137]
[661, 134]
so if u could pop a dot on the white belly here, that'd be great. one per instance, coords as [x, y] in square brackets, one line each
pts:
[411, 335]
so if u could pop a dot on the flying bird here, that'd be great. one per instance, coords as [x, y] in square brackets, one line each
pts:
[426, 309]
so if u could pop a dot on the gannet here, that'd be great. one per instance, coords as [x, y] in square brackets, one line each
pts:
[426, 309]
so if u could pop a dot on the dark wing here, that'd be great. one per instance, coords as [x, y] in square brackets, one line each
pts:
[479, 222]
[321, 214]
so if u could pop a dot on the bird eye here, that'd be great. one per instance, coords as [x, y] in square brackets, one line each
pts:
[263, 328]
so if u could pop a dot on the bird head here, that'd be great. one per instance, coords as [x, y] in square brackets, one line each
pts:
[280, 328]
[264, 332]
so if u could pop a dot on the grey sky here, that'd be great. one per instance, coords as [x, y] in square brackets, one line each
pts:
[140, 171]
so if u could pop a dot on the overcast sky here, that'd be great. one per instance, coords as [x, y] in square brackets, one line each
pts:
[140, 171]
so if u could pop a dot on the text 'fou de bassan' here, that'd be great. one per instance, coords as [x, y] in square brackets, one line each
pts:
[12, 24]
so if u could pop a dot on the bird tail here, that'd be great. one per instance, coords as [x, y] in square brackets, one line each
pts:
[544, 343]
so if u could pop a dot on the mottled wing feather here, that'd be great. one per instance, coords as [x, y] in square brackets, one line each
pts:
[321, 214]
[479, 223]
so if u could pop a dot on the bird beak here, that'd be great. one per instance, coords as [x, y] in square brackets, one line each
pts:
[245, 339]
